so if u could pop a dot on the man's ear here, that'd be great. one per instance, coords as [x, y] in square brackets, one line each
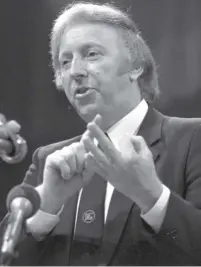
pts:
[135, 74]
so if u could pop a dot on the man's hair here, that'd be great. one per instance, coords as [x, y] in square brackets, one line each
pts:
[139, 53]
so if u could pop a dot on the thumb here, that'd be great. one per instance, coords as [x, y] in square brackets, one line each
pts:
[138, 143]
[140, 146]
[88, 170]
[92, 167]
[126, 146]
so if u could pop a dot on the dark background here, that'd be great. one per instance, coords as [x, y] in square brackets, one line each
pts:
[172, 29]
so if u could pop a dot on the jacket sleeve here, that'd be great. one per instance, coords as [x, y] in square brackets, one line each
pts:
[182, 223]
[34, 174]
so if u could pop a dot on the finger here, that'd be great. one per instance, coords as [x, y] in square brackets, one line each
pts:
[98, 120]
[6, 146]
[68, 158]
[3, 133]
[139, 144]
[95, 151]
[79, 152]
[105, 144]
[93, 166]
[89, 168]
[13, 126]
[86, 134]
[126, 147]
[57, 162]
[65, 169]
[141, 147]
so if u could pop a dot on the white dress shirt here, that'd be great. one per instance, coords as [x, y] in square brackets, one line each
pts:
[154, 217]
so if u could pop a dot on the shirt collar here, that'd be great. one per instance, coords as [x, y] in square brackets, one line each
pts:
[129, 124]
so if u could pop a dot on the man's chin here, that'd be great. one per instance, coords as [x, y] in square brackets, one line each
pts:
[87, 113]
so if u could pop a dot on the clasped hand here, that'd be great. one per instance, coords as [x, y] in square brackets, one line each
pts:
[130, 169]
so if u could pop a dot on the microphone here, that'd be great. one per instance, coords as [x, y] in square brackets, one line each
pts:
[19, 145]
[23, 201]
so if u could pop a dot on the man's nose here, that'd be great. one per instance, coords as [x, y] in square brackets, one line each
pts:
[78, 69]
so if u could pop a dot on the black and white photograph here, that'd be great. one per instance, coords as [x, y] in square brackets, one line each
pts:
[100, 133]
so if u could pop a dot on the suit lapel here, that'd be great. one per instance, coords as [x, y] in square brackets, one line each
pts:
[151, 131]
[121, 206]
[119, 209]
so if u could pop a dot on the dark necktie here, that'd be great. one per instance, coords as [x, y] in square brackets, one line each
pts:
[90, 222]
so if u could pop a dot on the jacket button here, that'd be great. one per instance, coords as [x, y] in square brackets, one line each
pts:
[173, 234]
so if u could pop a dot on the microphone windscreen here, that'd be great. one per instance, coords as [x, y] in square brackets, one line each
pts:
[26, 191]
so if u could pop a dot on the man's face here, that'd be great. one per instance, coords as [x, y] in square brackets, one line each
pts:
[94, 69]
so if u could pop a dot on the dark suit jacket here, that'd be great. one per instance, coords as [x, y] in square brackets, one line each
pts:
[128, 240]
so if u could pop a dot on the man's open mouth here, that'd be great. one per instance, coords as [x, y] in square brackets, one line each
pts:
[83, 91]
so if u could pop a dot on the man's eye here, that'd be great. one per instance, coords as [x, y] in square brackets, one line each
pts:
[65, 62]
[92, 54]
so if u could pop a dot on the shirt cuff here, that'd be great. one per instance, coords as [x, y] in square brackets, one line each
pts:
[41, 224]
[155, 216]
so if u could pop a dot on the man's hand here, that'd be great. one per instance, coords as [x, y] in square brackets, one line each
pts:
[130, 170]
[13, 127]
[65, 173]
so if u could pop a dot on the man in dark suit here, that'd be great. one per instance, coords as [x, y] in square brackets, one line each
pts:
[128, 191]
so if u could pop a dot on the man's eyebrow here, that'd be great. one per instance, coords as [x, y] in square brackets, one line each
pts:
[92, 44]
[85, 46]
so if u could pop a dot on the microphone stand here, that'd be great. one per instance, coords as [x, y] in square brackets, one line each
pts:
[23, 201]
[8, 249]
[6, 259]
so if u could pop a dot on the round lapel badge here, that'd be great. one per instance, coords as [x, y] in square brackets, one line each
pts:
[88, 216]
